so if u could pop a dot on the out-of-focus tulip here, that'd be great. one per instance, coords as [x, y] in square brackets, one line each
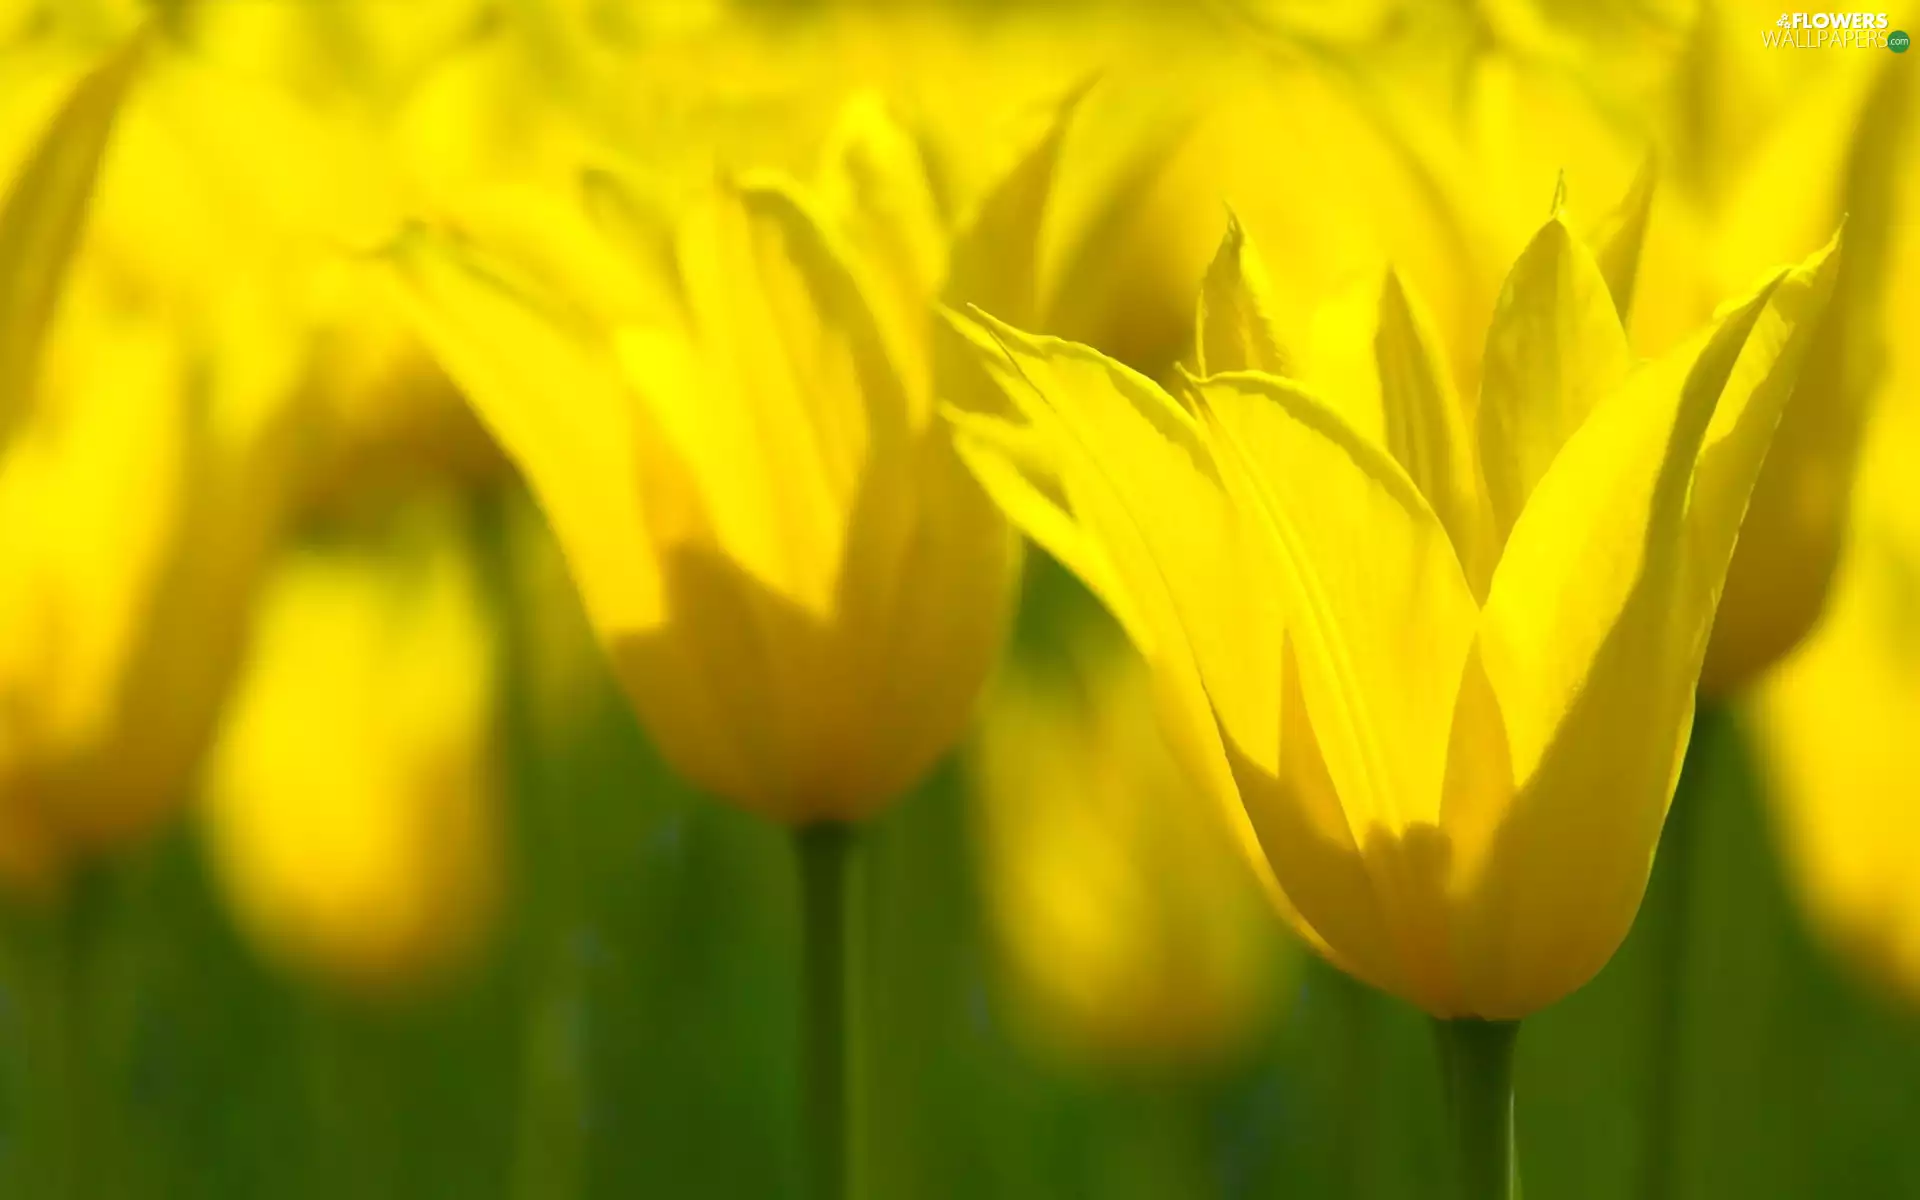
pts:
[1255, 130]
[1444, 656]
[732, 431]
[1837, 721]
[308, 153]
[1789, 546]
[351, 796]
[138, 489]
[1130, 926]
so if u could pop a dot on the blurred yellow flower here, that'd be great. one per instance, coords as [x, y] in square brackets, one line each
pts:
[1836, 724]
[1244, 139]
[1129, 924]
[731, 427]
[1778, 583]
[351, 800]
[139, 486]
[1443, 654]
[314, 158]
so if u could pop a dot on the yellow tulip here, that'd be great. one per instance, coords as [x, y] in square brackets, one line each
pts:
[305, 166]
[351, 798]
[1128, 923]
[1443, 656]
[1788, 548]
[1835, 722]
[1256, 130]
[731, 429]
[140, 484]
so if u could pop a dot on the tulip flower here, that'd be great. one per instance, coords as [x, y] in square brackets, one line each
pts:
[45, 208]
[732, 429]
[1448, 676]
[1836, 721]
[1129, 926]
[1778, 583]
[799, 586]
[140, 485]
[351, 798]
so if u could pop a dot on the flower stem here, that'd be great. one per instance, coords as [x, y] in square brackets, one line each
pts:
[1671, 896]
[1476, 1059]
[832, 973]
[1354, 1099]
[50, 953]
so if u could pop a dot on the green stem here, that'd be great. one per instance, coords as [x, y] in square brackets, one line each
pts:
[70, 1025]
[51, 952]
[549, 1153]
[1671, 900]
[831, 995]
[1354, 1111]
[1477, 1060]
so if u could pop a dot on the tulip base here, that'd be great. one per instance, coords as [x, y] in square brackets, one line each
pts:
[1476, 1064]
[832, 974]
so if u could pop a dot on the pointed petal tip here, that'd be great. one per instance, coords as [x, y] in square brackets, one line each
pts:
[1236, 232]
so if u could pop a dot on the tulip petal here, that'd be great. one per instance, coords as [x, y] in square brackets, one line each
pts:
[41, 220]
[995, 261]
[1014, 465]
[1776, 586]
[798, 391]
[996, 256]
[551, 395]
[930, 620]
[1763, 385]
[1382, 636]
[1424, 429]
[1234, 327]
[874, 193]
[1591, 640]
[1618, 239]
[635, 224]
[1554, 348]
[1601, 523]
[1136, 478]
